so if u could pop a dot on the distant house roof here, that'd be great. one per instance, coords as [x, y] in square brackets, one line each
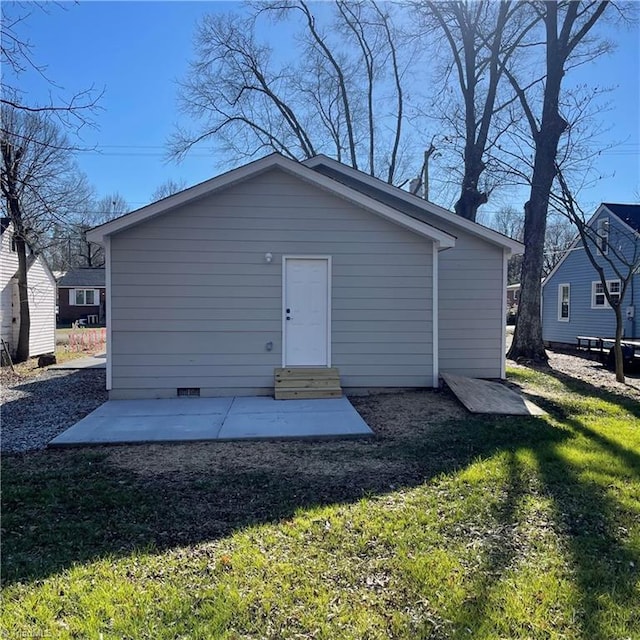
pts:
[628, 213]
[89, 277]
[4, 224]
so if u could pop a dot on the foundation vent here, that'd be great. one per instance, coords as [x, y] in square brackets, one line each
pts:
[188, 392]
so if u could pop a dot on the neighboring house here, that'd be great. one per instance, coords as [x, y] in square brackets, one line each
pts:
[573, 300]
[82, 296]
[287, 264]
[41, 291]
[513, 295]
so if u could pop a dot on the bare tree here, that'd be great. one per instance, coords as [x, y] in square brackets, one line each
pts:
[168, 188]
[67, 247]
[72, 111]
[39, 183]
[566, 27]
[342, 95]
[558, 238]
[618, 250]
[480, 38]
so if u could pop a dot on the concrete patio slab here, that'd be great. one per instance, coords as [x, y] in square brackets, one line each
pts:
[190, 419]
[98, 361]
[166, 407]
[260, 404]
[269, 418]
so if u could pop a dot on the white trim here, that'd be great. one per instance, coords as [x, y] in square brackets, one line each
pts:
[107, 310]
[428, 207]
[327, 258]
[73, 297]
[503, 330]
[247, 171]
[603, 226]
[435, 293]
[559, 309]
[576, 240]
[606, 305]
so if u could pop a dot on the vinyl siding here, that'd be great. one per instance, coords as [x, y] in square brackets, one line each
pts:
[470, 308]
[41, 292]
[8, 268]
[194, 302]
[42, 309]
[577, 271]
[470, 281]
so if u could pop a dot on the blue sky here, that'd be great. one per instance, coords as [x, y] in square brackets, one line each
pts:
[137, 50]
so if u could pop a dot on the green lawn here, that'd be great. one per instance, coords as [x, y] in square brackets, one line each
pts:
[454, 527]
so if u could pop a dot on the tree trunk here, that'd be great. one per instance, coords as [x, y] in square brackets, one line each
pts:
[470, 198]
[22, 349]
[527, 338]
[617, 347]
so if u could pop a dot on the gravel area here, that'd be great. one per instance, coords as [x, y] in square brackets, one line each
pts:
[35, 410]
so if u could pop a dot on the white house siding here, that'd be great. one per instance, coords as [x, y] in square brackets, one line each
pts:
[8, 268]
[42, 309]
[194, 302]
[41, 291]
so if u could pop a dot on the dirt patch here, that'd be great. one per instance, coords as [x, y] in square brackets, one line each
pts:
[393, 417]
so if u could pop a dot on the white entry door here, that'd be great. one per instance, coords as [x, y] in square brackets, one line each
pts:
[306, 310]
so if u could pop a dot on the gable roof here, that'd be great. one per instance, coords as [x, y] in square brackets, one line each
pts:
[83, 277]
[629, 214]
[409, 203]
[274, 161]
[4, 224]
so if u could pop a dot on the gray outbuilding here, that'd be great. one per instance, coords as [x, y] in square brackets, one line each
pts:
[280, 264]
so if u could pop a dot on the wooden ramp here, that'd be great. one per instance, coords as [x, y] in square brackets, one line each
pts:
[482, 396]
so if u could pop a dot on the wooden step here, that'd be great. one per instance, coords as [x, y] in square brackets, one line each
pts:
[294, 373]
[306, 382]
[307, 394]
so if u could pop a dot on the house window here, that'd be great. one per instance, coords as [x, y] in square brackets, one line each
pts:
[83, 297]
[563, 302]
[603, 235]
[598, 297]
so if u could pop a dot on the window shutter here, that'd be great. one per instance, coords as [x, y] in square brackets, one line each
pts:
[72, 296]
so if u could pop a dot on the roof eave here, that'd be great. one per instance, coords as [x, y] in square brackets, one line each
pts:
[511, 245]
[273, 161]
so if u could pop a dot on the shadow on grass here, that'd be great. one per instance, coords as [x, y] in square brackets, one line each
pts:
[63, 507]
[604, 568]
[76, 506]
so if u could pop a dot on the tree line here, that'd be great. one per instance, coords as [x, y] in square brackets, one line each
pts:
[486, 85]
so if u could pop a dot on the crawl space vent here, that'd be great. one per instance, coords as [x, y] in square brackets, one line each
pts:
[193, 392]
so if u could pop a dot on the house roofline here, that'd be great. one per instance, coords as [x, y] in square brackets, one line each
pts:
[474, 228]
[273, 161]
[576, 240]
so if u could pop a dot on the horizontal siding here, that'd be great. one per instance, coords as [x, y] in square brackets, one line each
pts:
[577, 271]
[8, 268]
[41, 294]
[194, 303]
[470, 281]
[129, 260]
[42, 309]
[470, 308]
